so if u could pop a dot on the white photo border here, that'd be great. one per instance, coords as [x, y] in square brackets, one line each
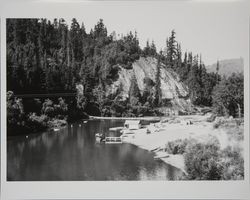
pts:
[109, 189]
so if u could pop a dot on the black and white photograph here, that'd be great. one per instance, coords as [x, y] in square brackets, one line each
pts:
[127, 93]
[97, 105]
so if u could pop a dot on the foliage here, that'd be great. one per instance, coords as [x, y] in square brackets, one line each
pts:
[207, 161]
[52, 57]
[171, 50]
[176, 146]
[233, 164]
[15, 115]
[203, 161]
[46, 56]
[158, 95]
[37, 123]
[134, 92]
[55, 110]
[149, 50]
[191, 71]
[148, 93]
[228, 96]
[56, 123]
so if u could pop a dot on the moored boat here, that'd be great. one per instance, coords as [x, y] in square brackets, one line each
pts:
[99, 137]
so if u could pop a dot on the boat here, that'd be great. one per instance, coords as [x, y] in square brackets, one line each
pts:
[99, 137]
[85, 122]
[56, 129]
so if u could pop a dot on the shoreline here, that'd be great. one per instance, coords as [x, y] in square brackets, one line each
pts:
[176, 161]
[129, 118]
[167, 132]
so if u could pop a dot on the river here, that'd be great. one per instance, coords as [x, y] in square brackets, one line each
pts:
[72, 154]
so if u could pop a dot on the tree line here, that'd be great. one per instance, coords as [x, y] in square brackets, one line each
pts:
[46, 56]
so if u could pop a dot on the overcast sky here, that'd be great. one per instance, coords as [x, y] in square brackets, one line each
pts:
[217, 30]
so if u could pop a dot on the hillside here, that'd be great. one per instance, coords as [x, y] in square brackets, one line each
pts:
[172, 89]
[228, 66]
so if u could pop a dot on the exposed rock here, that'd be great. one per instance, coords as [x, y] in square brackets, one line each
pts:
[172, 88]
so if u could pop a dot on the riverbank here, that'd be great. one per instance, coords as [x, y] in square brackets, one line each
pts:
[129, 118]
[181, 128]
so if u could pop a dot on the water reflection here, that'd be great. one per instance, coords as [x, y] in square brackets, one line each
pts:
[71, 154]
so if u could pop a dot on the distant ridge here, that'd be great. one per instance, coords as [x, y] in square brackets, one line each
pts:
[227, 66]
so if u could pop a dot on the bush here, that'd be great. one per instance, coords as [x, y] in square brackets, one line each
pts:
[219, 121]
[56, 123]
[48, 108]
[202, 161]
[37, 123]
[176, 146]
[233, 163]
[55, 110]
[15, 112]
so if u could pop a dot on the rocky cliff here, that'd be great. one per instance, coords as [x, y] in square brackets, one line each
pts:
[172, 88]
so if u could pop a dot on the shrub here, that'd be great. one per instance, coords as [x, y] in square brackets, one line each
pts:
[56, 123]
[235, 133]
[233, 163]
[48, 108]
[202, 161]
[15, 115]
[218, 122]
[37, 123]
[176, 146]
[15, 112]
[55, 110]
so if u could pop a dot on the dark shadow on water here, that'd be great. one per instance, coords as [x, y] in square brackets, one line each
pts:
[72, 154]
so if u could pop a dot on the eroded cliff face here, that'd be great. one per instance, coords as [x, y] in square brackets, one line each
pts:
[172, 88]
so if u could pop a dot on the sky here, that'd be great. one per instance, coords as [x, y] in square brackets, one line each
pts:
[215, 29]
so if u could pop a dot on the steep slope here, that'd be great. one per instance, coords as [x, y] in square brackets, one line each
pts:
[172, 89]
[227, 67]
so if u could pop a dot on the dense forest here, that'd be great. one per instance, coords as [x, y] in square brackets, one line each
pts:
[45, 57]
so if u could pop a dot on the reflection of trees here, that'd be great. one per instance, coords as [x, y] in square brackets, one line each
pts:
[71, 154]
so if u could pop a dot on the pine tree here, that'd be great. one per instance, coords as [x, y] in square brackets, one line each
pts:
[158, 94]
[217, 66]
[153, 51]
[146, 50]
[75, 35]
[134, 92]
[171, 50]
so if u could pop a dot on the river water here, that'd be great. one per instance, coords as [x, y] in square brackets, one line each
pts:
[72, 154]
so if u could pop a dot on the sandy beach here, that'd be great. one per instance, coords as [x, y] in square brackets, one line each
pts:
[166, 132]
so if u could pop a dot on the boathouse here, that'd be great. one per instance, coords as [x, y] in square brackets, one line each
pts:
[132, 124]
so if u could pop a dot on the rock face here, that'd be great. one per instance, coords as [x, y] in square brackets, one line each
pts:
[172, 89]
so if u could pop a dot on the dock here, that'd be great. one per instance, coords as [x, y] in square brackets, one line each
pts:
[113, 140]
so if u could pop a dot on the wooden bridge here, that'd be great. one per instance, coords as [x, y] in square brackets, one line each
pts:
[45, 95]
